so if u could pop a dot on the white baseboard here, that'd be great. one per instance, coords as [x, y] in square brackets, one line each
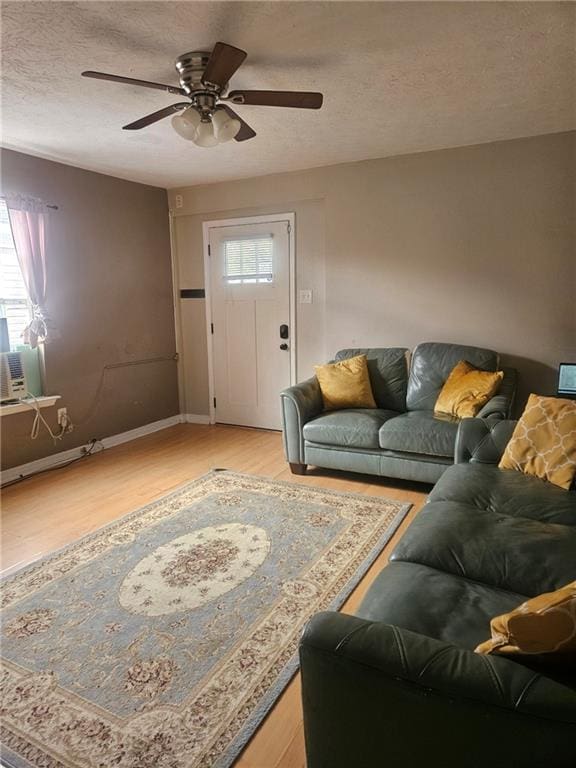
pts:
[195, 418]
[55, 459]
[146, 429]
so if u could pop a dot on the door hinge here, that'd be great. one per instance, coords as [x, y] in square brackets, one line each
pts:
[211, 327]
[214, 402]
[289, 227]
[209, 251]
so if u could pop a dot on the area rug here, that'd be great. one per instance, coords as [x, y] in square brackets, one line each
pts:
[163, 639]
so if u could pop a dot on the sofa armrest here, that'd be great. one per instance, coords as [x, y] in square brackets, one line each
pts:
[372, 691]
[500, 406]
[300, 404]
[482, 441]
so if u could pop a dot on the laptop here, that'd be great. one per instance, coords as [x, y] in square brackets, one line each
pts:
[567, 380]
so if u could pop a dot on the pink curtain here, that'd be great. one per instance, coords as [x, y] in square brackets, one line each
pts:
[28, 219]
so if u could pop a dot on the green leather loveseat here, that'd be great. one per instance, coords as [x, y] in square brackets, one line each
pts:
[401, 437]
[398, 685]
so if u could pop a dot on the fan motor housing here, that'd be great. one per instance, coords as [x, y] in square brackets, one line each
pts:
[190, 68]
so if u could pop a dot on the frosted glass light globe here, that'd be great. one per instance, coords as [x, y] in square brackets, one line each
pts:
[186, 124]
[205, 135]
[225, 127]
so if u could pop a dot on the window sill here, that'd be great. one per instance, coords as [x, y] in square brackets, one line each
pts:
[7, 409]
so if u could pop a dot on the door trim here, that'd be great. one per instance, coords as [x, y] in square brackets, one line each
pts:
[239, 222]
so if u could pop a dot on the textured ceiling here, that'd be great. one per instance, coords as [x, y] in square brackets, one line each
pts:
[398, 77]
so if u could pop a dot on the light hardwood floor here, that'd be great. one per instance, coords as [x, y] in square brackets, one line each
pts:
[46, 512]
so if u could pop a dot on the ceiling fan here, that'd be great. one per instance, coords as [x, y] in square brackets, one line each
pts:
[206, 119]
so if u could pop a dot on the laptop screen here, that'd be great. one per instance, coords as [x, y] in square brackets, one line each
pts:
[567, 380]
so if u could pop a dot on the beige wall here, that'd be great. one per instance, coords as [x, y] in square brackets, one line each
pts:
[474, 245]
[110, 297]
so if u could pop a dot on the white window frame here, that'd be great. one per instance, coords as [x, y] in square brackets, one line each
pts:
[276, 218]
[26, 302]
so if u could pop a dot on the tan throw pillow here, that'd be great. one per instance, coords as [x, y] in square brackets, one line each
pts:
[345, 384]
[466, 390]
[543, 443]
[543, 625]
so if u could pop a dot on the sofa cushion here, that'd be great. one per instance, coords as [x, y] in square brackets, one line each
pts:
[512, 553]
[420, 432]
[388, 370]
[435, 604]
[507, 492]
[345, 384]
[431, 365]
[349, 428]
[544, 625]
[544, 441]
[467, 390]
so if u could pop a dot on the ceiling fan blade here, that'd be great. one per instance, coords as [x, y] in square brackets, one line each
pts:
[245, 131]
[299, 99]
[155, 116]
[223, 62]
[132, 81]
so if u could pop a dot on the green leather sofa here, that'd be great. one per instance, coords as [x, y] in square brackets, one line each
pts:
[398, 685]
[402, 437]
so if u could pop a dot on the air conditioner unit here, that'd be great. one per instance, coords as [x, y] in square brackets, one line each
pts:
[13, 385]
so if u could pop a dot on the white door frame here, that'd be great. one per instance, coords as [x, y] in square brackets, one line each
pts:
[239, 222]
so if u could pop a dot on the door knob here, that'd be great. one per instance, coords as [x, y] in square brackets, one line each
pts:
[283, 331]
[283, 346]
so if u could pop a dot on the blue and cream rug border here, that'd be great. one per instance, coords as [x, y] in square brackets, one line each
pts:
[334, 538]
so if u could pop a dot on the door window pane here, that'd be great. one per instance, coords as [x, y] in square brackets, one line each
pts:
[249, 260]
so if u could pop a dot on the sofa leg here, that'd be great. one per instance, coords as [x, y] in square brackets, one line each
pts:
[298, 469]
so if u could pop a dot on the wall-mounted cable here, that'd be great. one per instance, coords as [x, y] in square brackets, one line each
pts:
[32, 402]
[90, 450]
[91, 411]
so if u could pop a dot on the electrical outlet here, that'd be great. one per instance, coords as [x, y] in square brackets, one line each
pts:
[63, 417]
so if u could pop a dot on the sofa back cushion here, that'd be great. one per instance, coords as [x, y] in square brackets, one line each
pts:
[388, 370]
[432, 363]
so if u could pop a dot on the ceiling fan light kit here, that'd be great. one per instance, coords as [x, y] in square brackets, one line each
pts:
[207, 120]
[206, 130]
[186, 124]
[225, 127]
[205, 135]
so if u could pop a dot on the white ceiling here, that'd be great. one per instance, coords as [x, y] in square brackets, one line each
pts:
[398, 77]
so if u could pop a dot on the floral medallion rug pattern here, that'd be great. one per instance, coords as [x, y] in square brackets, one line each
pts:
[163, 639]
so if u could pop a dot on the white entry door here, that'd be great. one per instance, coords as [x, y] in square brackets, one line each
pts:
[251, 324]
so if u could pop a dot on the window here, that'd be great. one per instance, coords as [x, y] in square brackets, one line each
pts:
[248, 260]
[14, 303]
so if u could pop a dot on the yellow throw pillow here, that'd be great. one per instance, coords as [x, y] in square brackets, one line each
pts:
[543, 625]
[466, 390]
[345, 384]
[544, 441]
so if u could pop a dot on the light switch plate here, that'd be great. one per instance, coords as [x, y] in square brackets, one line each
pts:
[305, 297]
